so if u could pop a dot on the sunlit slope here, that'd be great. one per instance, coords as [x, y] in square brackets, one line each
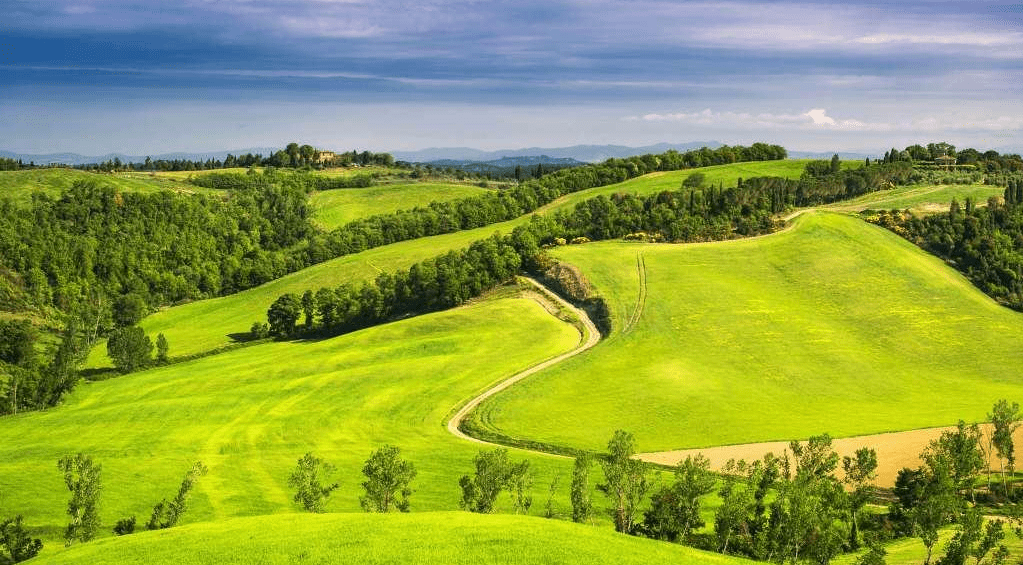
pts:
[834, 325]
[250, 414]
[206, 325]
[20, 185]
[920, 198]
[399, 539]
[334, 208]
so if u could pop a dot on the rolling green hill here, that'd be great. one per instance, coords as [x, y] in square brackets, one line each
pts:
[250, 414]
[921, 199]
[19, 185]
[334, 208]
[206, 325]
[834, 325]
[429, 538]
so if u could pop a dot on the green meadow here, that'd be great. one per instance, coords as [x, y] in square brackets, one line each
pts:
[920, 199]
[250, 414]
[20, 185]
[399, 539]
[206, 325]
[334, 208]
[832, 326]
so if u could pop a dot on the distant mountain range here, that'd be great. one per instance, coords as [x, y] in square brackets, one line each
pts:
[583, 153]
[454, 156]
[508, 162]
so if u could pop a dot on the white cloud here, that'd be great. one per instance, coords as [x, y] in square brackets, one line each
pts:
[814, 119]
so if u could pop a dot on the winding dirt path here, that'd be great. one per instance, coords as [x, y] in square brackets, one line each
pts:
[588, 339]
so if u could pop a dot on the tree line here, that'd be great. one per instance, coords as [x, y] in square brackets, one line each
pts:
[292, 156]
[988, 161]
[985, 243]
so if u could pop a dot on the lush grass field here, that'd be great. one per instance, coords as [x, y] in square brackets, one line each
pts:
[19, 185]
[250, 414]
[208, 324]
[335, 208]
[399, 539]
[832, 326]
[920, 199]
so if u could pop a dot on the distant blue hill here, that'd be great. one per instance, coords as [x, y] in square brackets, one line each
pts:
[583, 153]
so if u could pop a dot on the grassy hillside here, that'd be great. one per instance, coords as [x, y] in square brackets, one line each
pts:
[444, 537]
[922, 199]
[208, 324]
[250, 414]
[834, 325]
[205, 325]
[20, 185]
[335, 208]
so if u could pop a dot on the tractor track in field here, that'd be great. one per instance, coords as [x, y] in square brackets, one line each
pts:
[637, 312]
[590, 336]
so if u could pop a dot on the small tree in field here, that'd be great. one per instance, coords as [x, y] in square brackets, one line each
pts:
[581, 504]
[305, 479]
[15, 540]
[387, 481]
[129, 348]
[860, 471]
[166, 514]
[82, 478]
[162, 349]
[494, 473]
[625, 480]
[1005, 418]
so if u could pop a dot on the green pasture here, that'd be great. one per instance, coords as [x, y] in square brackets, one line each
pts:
[334, 208]
[399, 539]
[919, 198]
[832, 326]
[20, 185]
[250, 414]
[206, 325]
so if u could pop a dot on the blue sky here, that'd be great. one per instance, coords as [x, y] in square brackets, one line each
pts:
[96, 76]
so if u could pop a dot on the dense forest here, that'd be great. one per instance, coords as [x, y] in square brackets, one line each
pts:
[984, 243]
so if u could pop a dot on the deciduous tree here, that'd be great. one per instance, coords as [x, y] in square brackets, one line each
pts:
[624, 480]
[387, 481]
[307, 480]
[82, 477]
